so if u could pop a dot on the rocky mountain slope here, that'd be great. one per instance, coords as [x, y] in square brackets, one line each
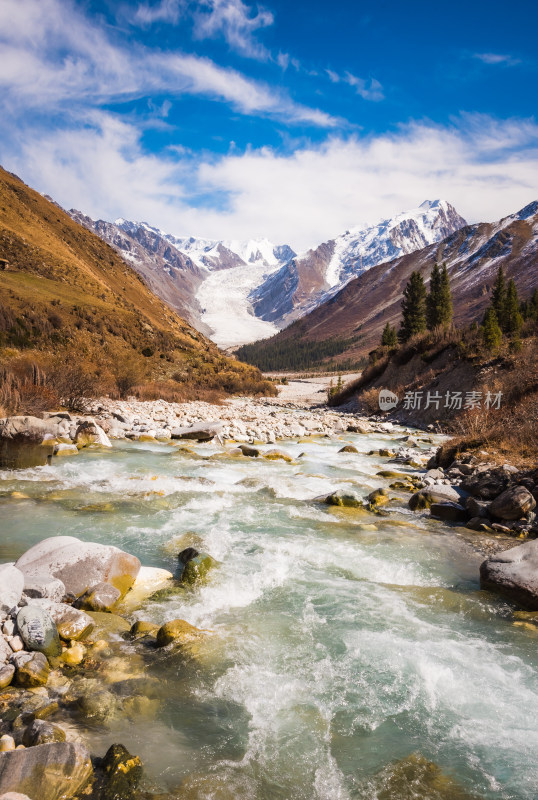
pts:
[64, 293]
[357, 313]
[310, 279]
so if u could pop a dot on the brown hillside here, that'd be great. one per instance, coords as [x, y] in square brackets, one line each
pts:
[65, 292]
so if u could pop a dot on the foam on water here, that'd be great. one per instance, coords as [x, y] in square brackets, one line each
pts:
[337, 649]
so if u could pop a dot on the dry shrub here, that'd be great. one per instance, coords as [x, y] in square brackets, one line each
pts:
[172, 392]
[368, 401]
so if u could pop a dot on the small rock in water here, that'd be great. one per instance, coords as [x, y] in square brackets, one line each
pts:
[178, 631]
[31, 669]
[195, 567]
[247, 450]
[118, 774]
[142, 628]
[345, 499]
[7, 743]
[74, 655]
[71, 623]
[348, 448]
[38, 631]
[102, 597]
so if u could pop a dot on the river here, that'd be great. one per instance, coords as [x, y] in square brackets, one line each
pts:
[341, 644]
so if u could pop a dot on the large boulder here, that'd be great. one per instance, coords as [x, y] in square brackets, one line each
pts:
[23, 442]
[38, 631]
[438, 493]
[90, 433]
[200, 431]
[487, 484]
[513, 574]
[48, 772]
[513, 503]
[450, 512]
[11, 588]
[80, 565]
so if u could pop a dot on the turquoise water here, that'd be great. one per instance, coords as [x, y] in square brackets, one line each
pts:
[336, 649]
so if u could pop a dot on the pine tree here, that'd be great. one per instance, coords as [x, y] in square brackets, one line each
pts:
[389, 337]
[498, 297]
[491, 332]
[439, 300]
[413, 308]
[529, 310]
[512, 318]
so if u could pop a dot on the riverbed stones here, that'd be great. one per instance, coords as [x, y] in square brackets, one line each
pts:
[377, 498]
[101, 597]
[7, 671]
[513, 574]
[48, 772]
[348, 448]
[31, 669]
[38, 631]
[513, 504]
[200, 432]
[487, 484]
[23, 442]
[177, 631]
[148, 581]
[142, 628]
[277, 455]
[41, 732]
[477, 508]
[247, 450]
[11, 588]
[450, 512]
[439, 493]
[7, 743]
[71, 623]
[107, 626]
[80, 565]
[5, 650]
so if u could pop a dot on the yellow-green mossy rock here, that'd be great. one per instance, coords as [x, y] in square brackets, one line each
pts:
[197, 568]
[344, 499]
[403, 485]
[379, 497]
[348, 448]
[107, 626]
[416, 778]
[385, 452]
[389, 473]
[177, 631]
[278, 455]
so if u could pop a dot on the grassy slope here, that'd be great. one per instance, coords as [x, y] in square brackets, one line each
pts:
[66, 289]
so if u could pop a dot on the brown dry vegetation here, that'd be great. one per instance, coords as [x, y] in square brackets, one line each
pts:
[456, 360]
[76, 320]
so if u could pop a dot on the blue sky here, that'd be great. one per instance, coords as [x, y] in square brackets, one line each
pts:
[295, 121]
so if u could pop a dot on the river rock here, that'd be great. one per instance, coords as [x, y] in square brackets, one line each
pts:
[194, 566]
[477, 508]
[379, 497]
[80, 565]
[11, 588]
[178, 631]
[248, 450]
[200, 432]
[513, 503]
[71, 623]
[43, 587]
[38, 631]
[277, 455]
[344, 498]
[148, 581]
[439, 493]
[64, 449]
[451, 512]
[5, 650]
[31, 669]
[108, 626]
[90, 433]
[102, 597]
[486, 485]
[118, 774]
[41, 732]
[348, 448]
[47, 772]
[23, 443]
[7, 743]
[513, 574]
[7, 671]
[142, 628]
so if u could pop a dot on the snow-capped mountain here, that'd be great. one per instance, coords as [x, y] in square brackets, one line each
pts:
[311, 278]
[206, 281]
[358, 312]
[239, 291]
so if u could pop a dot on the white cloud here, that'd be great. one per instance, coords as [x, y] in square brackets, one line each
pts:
[60, 60]
[164, 11]
[235, 22]
[497, 58]
[368, 89]
[487, 168]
